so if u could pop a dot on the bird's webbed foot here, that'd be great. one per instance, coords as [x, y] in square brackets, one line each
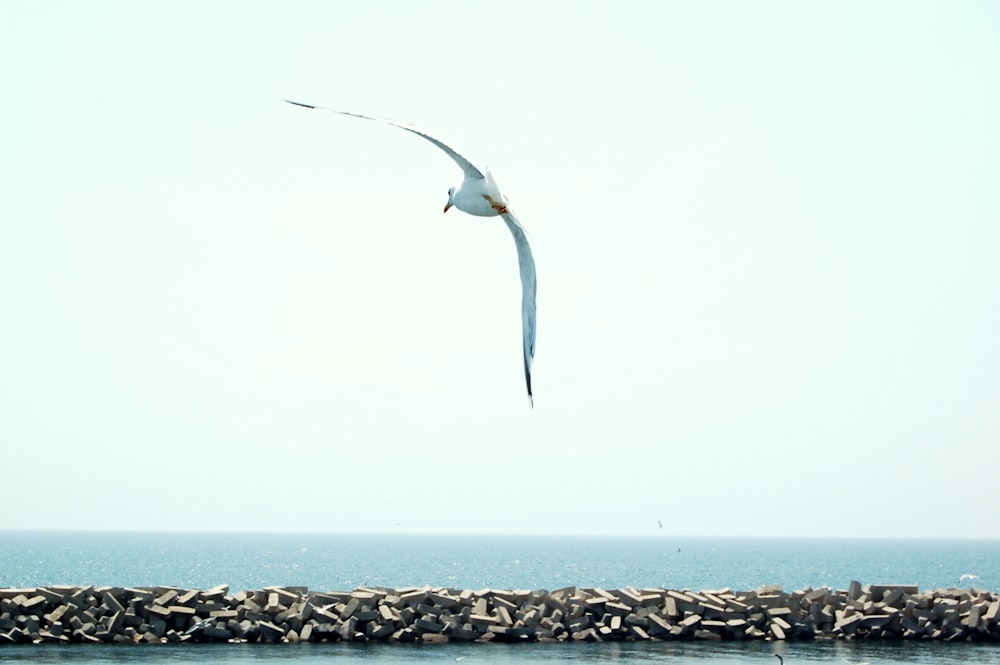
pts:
[501, 208]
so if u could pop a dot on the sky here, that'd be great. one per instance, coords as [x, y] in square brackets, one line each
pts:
[766, 236]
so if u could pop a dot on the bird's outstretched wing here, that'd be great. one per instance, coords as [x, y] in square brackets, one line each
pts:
[528, 288]
[467, 167]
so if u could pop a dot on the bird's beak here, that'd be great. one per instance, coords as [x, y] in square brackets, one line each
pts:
[447, 205]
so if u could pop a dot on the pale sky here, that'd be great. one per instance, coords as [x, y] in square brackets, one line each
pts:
[767, 240]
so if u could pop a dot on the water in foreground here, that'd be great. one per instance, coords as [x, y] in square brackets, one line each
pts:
[623, 653]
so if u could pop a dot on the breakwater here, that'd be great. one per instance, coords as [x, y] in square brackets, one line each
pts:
[295, 614]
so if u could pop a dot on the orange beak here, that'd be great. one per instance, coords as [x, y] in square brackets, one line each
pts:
[447, 205]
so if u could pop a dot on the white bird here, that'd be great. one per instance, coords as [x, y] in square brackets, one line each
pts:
[479, 195]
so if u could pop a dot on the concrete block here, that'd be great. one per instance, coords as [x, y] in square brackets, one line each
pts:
[166, 598]
[848, 624]
[506, 603]
[690, 620]
[483, 620]
[350, 607]
[270, 632]
[443, 600]
[33, 604]
[204, 609]
[875, 620]
[157, 611]
[54, 594]
[365, 614]
[116, 622]
[12, 636]
[56, 614]
[638, 633]
[781, 623]
[767, 601]
[387, 613]
[377, 631]
[658, 624]
[216, 632]
[187, 598]
[215, 594]
[13, 592]
[425, 625]
[287, 614]
[414, 597]
[628, 597]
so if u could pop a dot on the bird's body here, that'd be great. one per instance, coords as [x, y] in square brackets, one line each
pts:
[479, 195]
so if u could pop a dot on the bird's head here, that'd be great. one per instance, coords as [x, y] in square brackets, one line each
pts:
[450, 203]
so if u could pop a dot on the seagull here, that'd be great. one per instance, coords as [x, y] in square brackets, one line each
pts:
[479, 195]
[196, 626]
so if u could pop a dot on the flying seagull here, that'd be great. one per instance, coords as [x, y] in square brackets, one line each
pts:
[479, 195]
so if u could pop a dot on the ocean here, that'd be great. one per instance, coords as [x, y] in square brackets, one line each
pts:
[329, 562]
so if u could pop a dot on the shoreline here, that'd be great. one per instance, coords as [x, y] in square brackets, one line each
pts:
[156, 615]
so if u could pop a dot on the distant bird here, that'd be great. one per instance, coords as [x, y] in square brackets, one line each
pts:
[660, 523]
[458, 658]
[479, 195]
[967, 577]
[199, 625]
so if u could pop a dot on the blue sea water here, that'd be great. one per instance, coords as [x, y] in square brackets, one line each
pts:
[327, 562]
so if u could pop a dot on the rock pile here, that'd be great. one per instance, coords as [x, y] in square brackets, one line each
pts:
[293, 614]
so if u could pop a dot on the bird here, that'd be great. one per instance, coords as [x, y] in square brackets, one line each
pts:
[478, 194]
[781, 661]
[198, 625]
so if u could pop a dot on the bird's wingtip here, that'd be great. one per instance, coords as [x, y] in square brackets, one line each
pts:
[308, 106]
